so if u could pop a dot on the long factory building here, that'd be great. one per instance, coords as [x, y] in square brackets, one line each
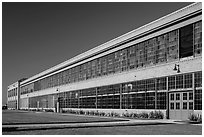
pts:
[155, 67]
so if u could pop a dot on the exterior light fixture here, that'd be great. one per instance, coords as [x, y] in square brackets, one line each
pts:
[176, 68]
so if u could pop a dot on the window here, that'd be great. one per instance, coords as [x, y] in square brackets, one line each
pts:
[184, 105]
[110, 63]
[198, 38]
[198, 79]
[172, 105]
[190, 95]
[161, 49]
[172, 96]
[188, 80]
[140, 101]
[186, 41]
[177, 105]
[161, 100]
[184, 96]
[132, 57]
[177, 96]
[161, 83]
[172, 46]
[150, 84]
[198, 100]
[190, 105]
[179, 81]
[150, 100]
[171, 82]
[150, 51]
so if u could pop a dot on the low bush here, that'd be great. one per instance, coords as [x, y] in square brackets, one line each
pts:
[194, 117]
[143, 115]
[156, 115]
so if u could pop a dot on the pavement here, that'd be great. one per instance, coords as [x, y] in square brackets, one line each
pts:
[6, 127]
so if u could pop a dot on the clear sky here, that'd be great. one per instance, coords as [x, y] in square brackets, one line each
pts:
[37, 36]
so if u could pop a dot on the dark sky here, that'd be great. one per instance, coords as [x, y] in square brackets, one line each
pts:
[37, 36]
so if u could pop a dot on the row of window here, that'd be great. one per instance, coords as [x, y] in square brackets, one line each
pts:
[134, 95]
[12, 92]
[180, 43]
[148, 100]
[12, 104]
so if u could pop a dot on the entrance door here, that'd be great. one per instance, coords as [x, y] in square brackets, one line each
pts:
[180, 105]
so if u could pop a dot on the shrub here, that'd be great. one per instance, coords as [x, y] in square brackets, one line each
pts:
[156, 115]
[143, 115]
[193, 117]
[96, 113]
[102, 113]
[49, 110]
[81, 112]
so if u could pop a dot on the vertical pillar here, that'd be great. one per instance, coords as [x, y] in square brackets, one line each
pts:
[58, 107]
[155, 93]
[120, 96]
[193, 86]
[96, 103]
[167, 97]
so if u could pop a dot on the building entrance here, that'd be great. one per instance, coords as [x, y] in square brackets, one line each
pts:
[180, 105]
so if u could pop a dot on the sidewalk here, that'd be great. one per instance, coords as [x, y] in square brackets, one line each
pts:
[20, 127]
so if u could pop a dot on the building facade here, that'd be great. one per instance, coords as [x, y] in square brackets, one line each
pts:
[155, 67]
[13, 95]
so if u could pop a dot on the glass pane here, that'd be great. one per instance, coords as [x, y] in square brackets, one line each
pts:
[177, 96]
[172, 106]
[172, 97]
[184, 96]
[177, 105]
[190, 105]
[186, 41]
[190, 95]
[184, 105]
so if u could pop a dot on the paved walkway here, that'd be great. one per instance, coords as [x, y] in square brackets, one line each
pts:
[31, 126]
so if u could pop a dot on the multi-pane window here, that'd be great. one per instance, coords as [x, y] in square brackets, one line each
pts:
[150, 51]
[132, 57]
[161, 100]
[141, 85]
[150, 85]
[124, 59]
[117, 63]
[188, 81]
[198, 79]
[150, 100]
[172, 82]
[179, 81]
[161, 48]
[161, 83]
[172, 46]
[186, 41]
[140, 101]
[140, 61]
[198, 100]
[198, 38]
[110, 62]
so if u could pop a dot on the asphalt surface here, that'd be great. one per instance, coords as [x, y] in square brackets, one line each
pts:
[24, 122]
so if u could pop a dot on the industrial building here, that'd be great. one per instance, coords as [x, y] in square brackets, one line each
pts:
[155, 67]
